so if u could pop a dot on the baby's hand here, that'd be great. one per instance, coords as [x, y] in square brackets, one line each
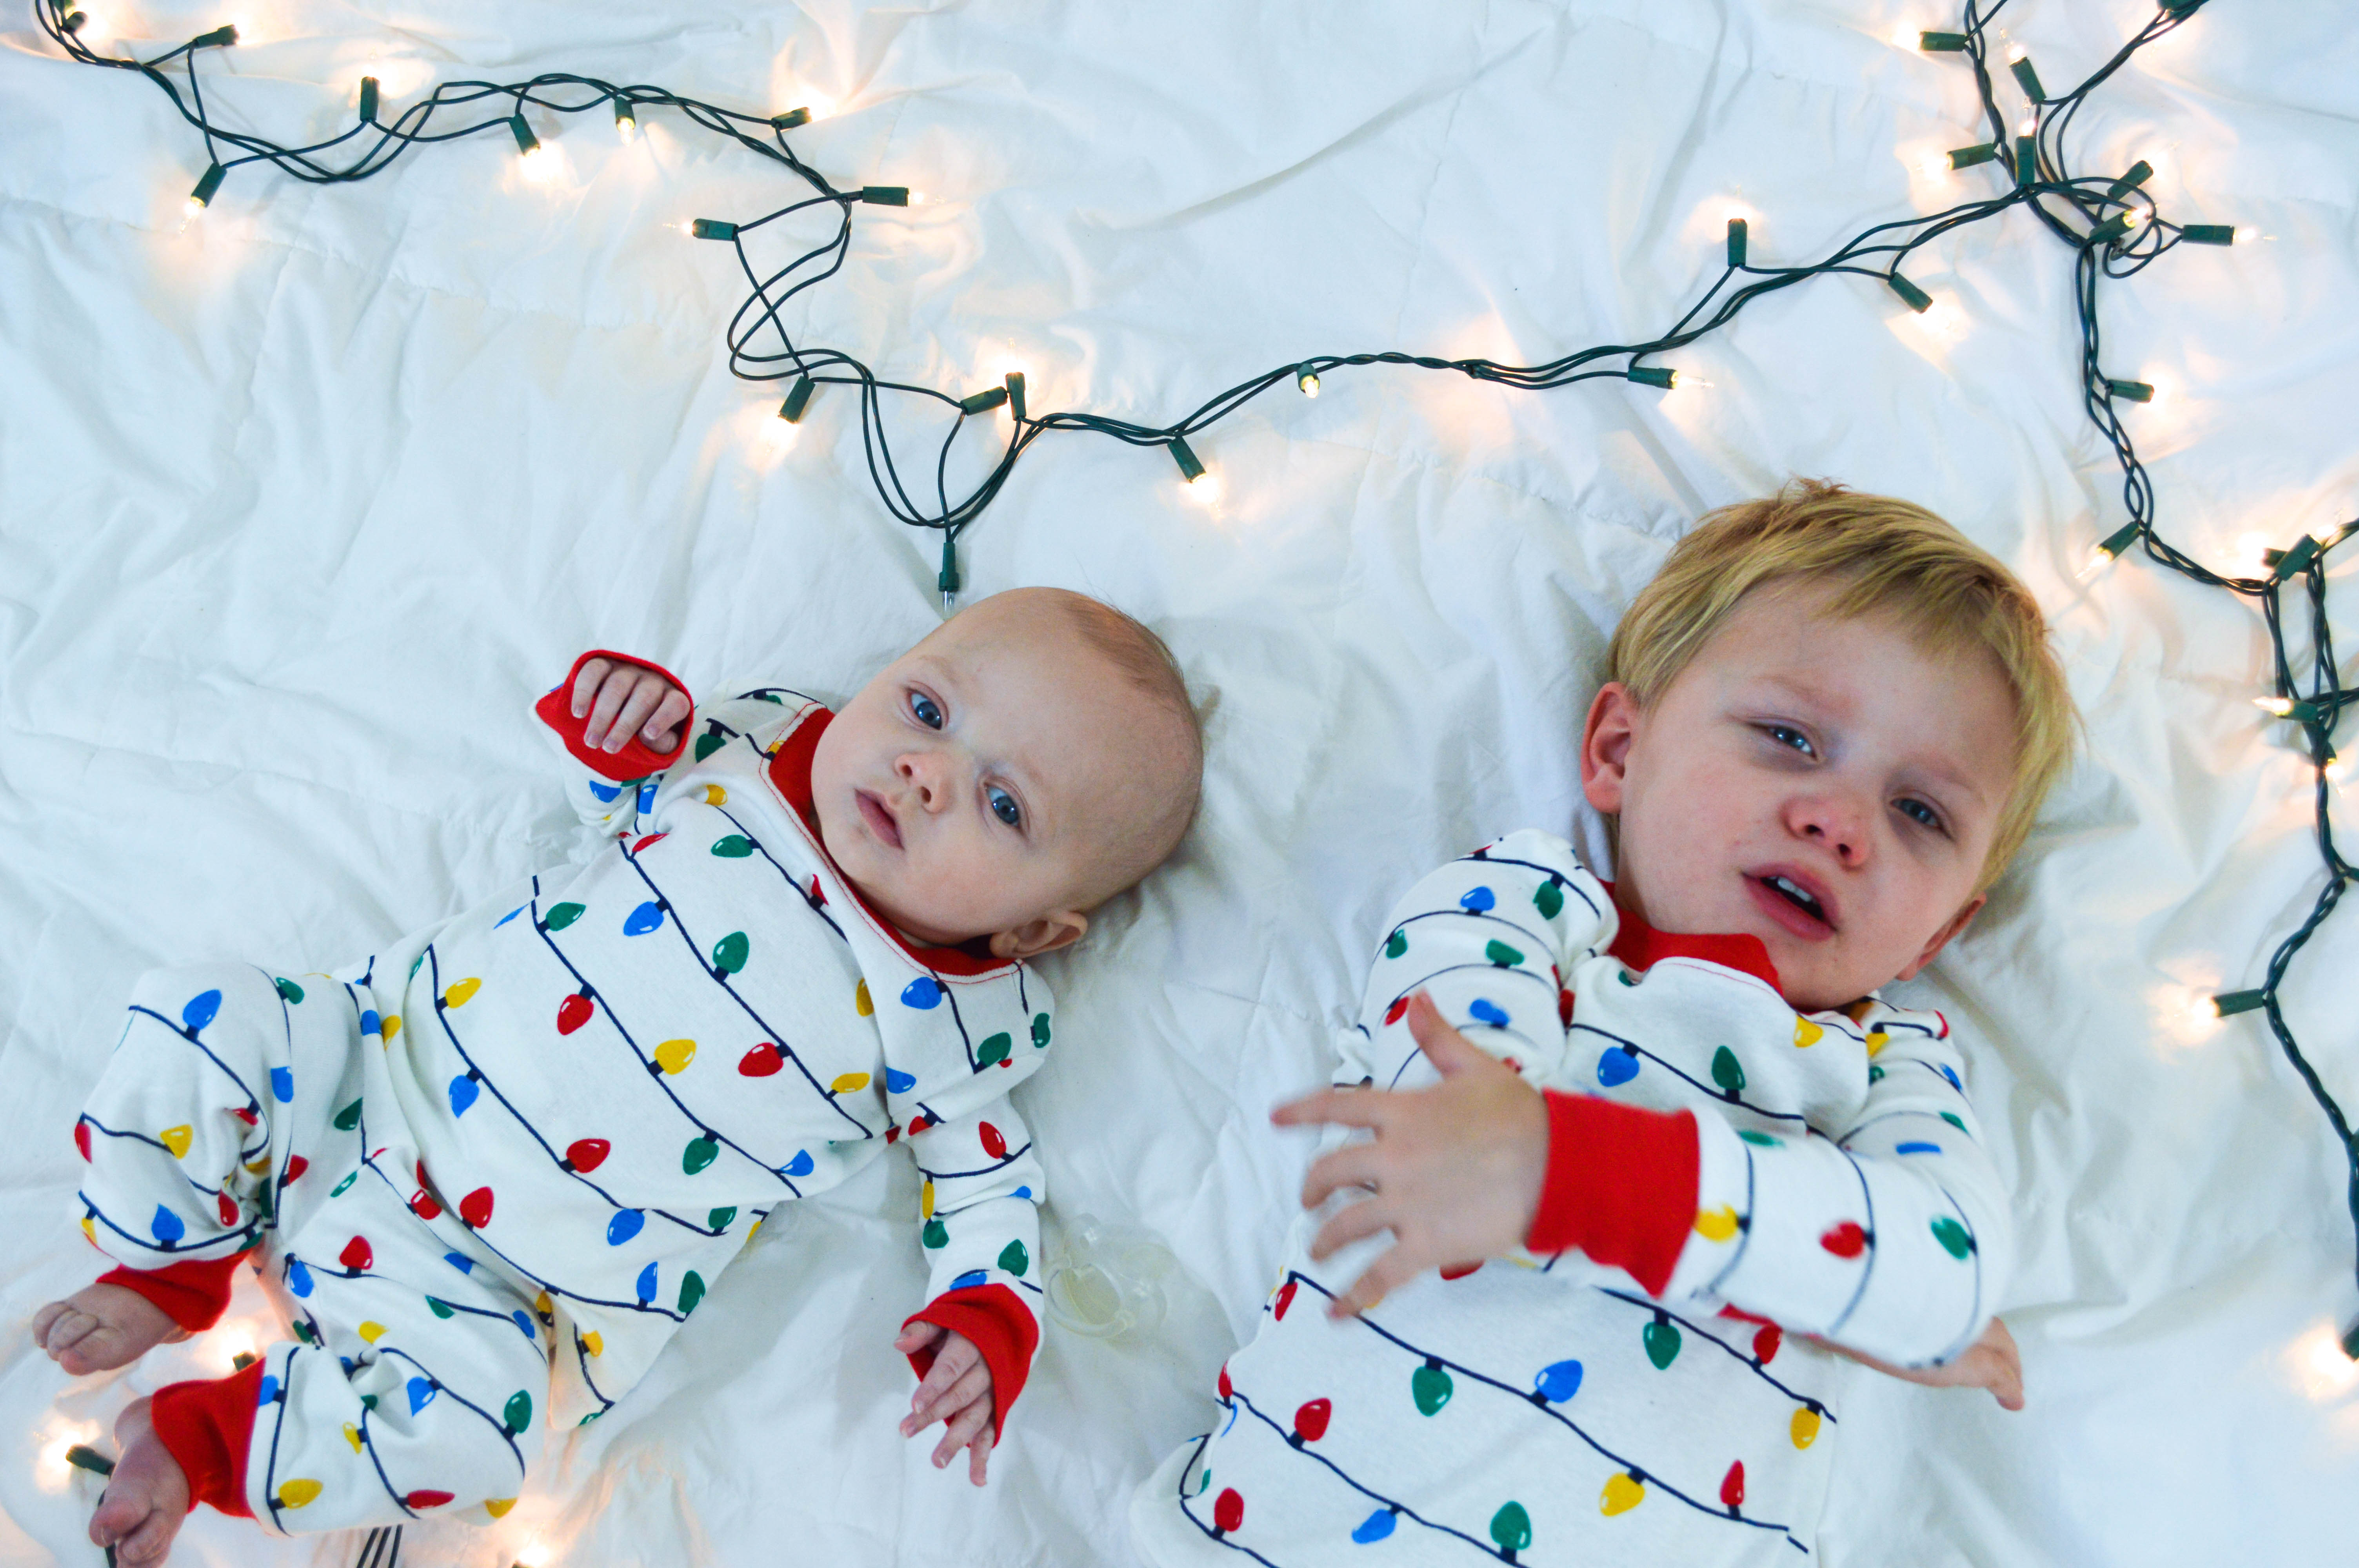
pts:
[1990, 1362]
[621, 698]
[956, 1392]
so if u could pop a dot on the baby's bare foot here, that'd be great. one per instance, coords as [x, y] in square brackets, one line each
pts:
[146, 1497]
[101, 1326]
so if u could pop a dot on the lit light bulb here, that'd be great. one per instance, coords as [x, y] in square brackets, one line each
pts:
[1307, 380]
[2338, 771]
[2015, 51]
[1904, 37]
[626, 120]
[2246, 234]
[1934, 165]
[2027, 127]
[2276, 707]
[1204, 488]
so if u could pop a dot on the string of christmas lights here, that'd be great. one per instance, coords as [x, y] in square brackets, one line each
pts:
[2112, 224]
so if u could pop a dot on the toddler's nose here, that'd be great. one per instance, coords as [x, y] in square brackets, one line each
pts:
[1834, 824]
[927, 776]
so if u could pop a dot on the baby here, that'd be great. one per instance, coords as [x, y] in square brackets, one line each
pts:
[1829, 724]
[494, 1166]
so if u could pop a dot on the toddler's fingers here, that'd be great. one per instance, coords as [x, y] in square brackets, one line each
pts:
[1450, 1052]
[1347, 1225]
[1396, 1268]
[1353, 1165]
[1341, 1108]
[585, 685]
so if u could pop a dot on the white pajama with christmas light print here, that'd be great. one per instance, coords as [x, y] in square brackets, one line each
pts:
[1548, 1409]
[576, 1103]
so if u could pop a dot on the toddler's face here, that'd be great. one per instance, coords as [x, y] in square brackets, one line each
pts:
[975, 786]
[1823, 783]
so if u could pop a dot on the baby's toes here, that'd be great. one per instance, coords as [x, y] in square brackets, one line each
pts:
[62, 1327]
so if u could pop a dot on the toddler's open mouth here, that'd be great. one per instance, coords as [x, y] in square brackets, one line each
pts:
[879, 817]
[1794, 900]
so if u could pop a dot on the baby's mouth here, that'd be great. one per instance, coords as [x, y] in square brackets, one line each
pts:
[879, 818]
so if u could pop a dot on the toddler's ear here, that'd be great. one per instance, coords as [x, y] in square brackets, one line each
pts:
[1046, 935]
[1942, 938]
[1605, 746]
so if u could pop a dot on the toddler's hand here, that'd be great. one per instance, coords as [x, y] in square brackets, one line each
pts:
[1990, 1362]
[621, 698]
[1455, 1169]
[956, 1392]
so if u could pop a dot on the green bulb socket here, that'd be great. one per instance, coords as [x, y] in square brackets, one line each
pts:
[1190, 469]
[526, 142]
[711, 229]
[2351, 1341]
[2139, 173]
[2178, 11]
[203, 194]
[1919, 300]
[984, 402]
[2120, 539]
[2112, 229]
[2132, 390]
[220, 37]
[72, 22]
[790, 119]
[2029, 80]
[886, 195]
[948, 580]
[368, 100]
[1306, 380]
[1966, 157]
[1737, 235]
[2027, 159]
[2209, 233]
[2293, 561]
[2231, 1004]
[1941, 43]
[624, 115]
[799, 398]
[1015, 395]
[83, 1457]
[1650, 375]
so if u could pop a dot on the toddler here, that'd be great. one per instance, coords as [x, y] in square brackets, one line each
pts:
[493, 1167]
[1829, 724]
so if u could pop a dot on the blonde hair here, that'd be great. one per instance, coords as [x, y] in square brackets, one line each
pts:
[1882, 558]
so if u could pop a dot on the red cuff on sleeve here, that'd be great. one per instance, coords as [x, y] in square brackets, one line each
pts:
[1621, 1185]
[1002, 1327]
[635, 760]
[207, 1427]
[193, 1292]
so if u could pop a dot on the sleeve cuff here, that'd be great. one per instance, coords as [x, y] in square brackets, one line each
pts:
[207, 1428]
[1621, 1186]
[193, 1293]
[1001, 1326]
[635, 760]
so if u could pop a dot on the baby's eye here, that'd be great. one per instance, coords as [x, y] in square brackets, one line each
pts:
[925, 712]
[1788, 736]
[1922, 815]
[1004, 806]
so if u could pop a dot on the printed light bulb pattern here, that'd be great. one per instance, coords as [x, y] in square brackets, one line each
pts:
[606, 1079]
[1554, 1412]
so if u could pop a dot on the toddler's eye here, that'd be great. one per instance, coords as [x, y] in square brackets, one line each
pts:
[924, 709]
[1922, 815]
[1004, 806]
[1794, 739]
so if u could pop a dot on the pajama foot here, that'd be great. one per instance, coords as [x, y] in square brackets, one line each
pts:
[101, 1327]
[146, 1497]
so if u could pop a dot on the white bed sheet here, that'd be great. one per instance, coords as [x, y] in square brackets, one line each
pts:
[299, 507]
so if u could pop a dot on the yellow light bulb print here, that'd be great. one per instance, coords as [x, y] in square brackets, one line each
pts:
[1716, 1223]
[715, 795]
[541, 1303]
[176, 1139]
[499, 1507]
[461, 992]
[1804, 1427]
[352, 1436]
[673, 1055]
[860, 1002]
[1806, 1034]
[594, 1342]
[299, 1491]
[390, 1027]
[1623, 1493]
[926, 1201]
[849, 1083]
[371, 1331]
[89, 1231]
[1877, 1041]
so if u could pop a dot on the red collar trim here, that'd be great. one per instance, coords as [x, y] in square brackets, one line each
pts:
[790, 774]
[1642, 946]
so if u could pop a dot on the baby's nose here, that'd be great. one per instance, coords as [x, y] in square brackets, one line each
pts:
[927, 776]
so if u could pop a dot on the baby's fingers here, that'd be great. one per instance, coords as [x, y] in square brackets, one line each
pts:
[1396, 1268]
[939, 1402]
[585, 683]
[1347, 1226]
[969, 1427]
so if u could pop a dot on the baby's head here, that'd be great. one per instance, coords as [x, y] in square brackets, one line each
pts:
[1828, 723]
[1034, 756]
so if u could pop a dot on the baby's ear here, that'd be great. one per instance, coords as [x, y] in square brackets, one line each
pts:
[1046, 935]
